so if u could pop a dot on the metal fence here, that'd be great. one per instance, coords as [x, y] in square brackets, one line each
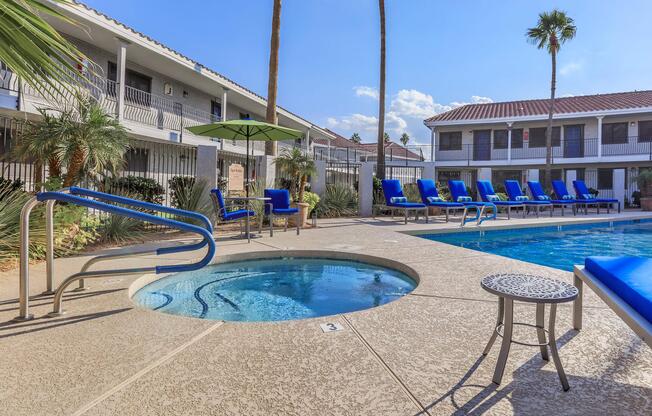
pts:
[343, 172]
[405, 174]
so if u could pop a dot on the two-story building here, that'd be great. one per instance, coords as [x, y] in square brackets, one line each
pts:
[604, 139]
[154, 91]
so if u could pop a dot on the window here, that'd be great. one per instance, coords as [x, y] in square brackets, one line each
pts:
[538, 137]
[500, 139]
[645, 131]
[605, 178]
[136, 81]
[517, 138]
[613, 133]
[216, 110]
[450, 140]
[137, 159]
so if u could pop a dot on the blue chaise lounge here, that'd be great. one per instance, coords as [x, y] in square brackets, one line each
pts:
[430, 197]
[459, 194]
[487, 194]
[515, 193]
[625, 285]
[582, 193]
[540, 195]
[395, 199]
[562, 192]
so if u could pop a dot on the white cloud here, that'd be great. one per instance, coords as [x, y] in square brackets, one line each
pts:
[363, 91]
[570, 68]
[407, 110]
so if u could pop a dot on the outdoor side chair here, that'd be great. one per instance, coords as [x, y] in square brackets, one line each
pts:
[279, 206]
[231, 212]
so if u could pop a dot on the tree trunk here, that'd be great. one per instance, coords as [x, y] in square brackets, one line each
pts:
[380, 169]
[272, 82]
[54, 167]
[75, 166]
[302, 187]
[551, 110]
[38, 173]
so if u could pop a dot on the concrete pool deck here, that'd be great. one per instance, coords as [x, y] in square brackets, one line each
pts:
[418, 355]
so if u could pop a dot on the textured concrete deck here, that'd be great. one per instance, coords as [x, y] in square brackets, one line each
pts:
[418, 355]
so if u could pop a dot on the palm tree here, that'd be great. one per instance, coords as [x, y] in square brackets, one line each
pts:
[380, 168]
[552, 30]
[386, 138]
[272, 81]
[299, 166]
[355, 138]
[405, 139]
[34, 50]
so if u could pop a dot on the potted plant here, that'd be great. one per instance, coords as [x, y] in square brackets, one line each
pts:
[644, 180]
[299, 167]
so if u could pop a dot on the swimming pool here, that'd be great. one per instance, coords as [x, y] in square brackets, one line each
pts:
[558, 246]
[275, 289]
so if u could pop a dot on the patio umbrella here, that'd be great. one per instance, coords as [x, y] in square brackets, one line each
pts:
[246, 130]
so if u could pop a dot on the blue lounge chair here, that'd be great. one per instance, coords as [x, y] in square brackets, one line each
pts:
[231, 212]
[430, 197]
[582, 193]
[394, 199]
[562, 193]
[540, 195]
[515, 193]
[624, 284]
[487, 193]
[279, 205]
[459, 194]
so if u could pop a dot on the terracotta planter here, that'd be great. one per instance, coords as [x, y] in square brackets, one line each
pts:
[303, 214]
[646, 203]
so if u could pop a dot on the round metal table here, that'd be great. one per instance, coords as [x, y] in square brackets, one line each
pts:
[540, 290]
[248, 200]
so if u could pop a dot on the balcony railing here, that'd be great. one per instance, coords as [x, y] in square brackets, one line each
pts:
[565, 149]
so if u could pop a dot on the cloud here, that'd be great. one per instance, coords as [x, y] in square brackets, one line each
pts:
[407, 110]
[363, 91]
[570, 68]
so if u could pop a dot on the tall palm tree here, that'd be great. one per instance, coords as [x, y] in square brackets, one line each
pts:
[355, 138]
[405, 139]
[552, 30]
[380, 168]
[272, 82]
[34, 50]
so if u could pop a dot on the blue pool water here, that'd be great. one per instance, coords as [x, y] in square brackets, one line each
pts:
[556, 248]
[275, 289]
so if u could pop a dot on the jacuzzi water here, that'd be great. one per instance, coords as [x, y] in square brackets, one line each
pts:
[275, 289]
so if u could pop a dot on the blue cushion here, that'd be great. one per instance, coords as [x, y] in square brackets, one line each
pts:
[285, 211]
[628, 277]
[391, 188]
[493, 198]
[408, 205]
[457, 188]
[567, 197]
[560, 189]
[398, 200]
[464, 198]
[543, 197]
[433, 199]
[427, 188]
[280, 199]
[522, 198]
[235, 215]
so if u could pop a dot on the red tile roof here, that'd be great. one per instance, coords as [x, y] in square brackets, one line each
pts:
[338, 141]
[563, 105]
[343, 142]
[395, 148]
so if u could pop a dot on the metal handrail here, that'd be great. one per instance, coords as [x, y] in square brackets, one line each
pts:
[51, 197]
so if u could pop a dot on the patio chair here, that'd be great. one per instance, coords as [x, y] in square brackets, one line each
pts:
[279, 206]
[487, 194]
[459, 194]
[624, 284]
[395, 200]
[562, 193]
[515, 193]
[540, 195]
[430, 197]
[582, 193]
[231, 212]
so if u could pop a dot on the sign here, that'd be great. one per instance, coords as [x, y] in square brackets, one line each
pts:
[526, 135]
[236, 177]
[331, 327]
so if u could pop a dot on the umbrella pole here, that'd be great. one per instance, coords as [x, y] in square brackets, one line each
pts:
[247, 169]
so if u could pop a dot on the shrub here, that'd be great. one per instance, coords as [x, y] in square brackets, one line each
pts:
[117, 229]
[8, 186]
[177, 184]
[145, 189]
[443, 191]
[339, 200]
[312, 199]
[411, 192]
[190, 195]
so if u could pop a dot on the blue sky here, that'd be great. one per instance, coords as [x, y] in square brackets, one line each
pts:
[439, 53]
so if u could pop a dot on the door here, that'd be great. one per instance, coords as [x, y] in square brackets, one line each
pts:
[482, 145]
[574, 141]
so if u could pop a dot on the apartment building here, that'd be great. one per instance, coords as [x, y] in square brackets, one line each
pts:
[340, 149]
[604, 139]
[155, 92]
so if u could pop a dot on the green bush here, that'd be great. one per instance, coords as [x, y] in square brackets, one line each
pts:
[411, 192]
[312, 199]
[117, 229]
[190, 195]
[144, 189]
[339, 200]
[178, 184]
[7, 186]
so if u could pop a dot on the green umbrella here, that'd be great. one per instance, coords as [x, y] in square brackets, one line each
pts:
[246, 130]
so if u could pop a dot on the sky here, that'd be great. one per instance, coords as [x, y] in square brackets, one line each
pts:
[440, 53]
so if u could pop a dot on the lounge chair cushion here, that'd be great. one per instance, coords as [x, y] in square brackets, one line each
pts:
[567, 197]
[464, 199]
[398, 200]
[434, 199]
[628, 277]
[543, 198]
[587, 196]
[279, 199]
[285, 211]
[493, 198]
[522, 198]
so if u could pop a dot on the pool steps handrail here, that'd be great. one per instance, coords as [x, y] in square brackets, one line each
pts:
[51, 197]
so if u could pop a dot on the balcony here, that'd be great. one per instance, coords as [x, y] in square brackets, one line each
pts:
[569, 151]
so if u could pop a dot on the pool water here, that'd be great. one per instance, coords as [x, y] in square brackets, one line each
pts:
[560, 248]
[275, 289]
